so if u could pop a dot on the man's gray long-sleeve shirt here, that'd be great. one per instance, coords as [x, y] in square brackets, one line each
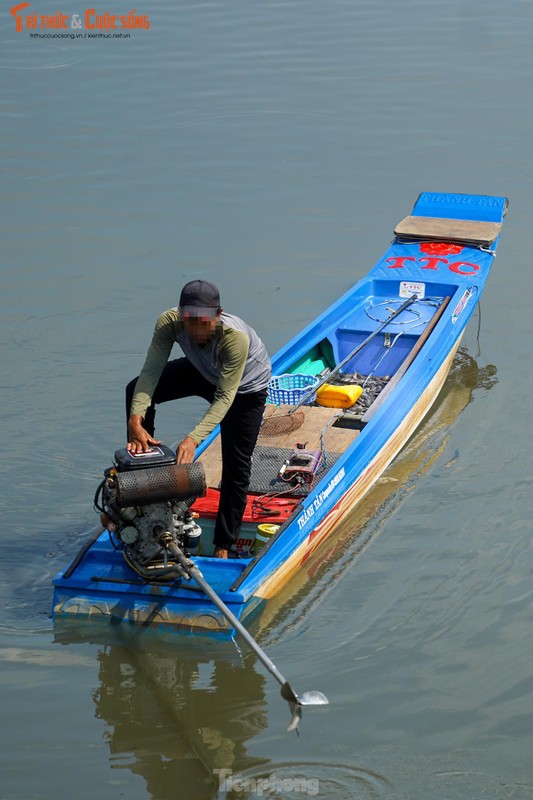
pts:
[235, 361]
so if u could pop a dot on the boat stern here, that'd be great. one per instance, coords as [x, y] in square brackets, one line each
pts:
[103, 586]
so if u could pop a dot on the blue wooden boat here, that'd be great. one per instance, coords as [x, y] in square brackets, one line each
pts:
[324, 442]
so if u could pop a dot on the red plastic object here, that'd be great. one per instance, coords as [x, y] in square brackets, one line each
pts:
[259, 508]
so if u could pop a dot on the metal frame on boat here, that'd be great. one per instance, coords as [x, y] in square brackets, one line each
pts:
[399, 326]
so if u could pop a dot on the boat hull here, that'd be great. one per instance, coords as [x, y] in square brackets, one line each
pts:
[362, 484]
[444, 280]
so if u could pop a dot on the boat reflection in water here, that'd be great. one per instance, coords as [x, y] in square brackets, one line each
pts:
[176, 713]
[177, 710]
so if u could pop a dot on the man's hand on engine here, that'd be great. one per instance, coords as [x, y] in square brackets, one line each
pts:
[139, 440]
[186, 451]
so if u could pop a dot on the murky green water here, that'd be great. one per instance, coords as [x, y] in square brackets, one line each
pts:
[270, 147]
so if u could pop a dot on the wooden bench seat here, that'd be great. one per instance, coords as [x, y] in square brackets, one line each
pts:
[460, 231]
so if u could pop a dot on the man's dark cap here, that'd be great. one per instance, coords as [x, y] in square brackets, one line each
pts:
[200, 298]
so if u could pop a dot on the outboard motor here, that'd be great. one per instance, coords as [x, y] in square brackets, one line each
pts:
[145, 502]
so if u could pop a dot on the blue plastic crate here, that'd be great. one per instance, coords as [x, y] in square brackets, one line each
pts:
[290, 389]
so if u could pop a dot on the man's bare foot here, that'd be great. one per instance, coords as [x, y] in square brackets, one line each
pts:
[220, 552]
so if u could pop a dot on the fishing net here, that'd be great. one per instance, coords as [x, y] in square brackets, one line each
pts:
[276, 426]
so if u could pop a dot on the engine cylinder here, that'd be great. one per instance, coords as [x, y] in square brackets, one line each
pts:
[142, 487]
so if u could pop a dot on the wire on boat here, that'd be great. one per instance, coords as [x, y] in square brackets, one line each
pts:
[435, 302]
[425, 301]
[478, 329]
[97, 497]
[116, 545]
[259, 510]
[387, 351]
[387, 303]
[324, 459]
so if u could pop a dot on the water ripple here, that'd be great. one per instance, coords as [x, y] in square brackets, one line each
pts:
[305, 778]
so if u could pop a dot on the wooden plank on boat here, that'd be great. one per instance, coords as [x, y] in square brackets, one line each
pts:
[448, 230]
[316, 420]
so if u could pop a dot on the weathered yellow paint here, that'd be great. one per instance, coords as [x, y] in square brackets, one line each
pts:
[365, 481]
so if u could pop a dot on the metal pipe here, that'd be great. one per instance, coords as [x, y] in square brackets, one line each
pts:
[354, 352]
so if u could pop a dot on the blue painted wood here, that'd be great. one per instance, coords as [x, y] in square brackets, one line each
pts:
[458, 272]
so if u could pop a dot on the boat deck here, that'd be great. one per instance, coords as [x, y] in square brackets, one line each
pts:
[317, 429]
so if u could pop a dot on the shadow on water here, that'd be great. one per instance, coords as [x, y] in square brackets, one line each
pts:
[179, 713]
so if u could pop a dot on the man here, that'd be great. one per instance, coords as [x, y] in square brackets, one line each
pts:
[227, 364]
